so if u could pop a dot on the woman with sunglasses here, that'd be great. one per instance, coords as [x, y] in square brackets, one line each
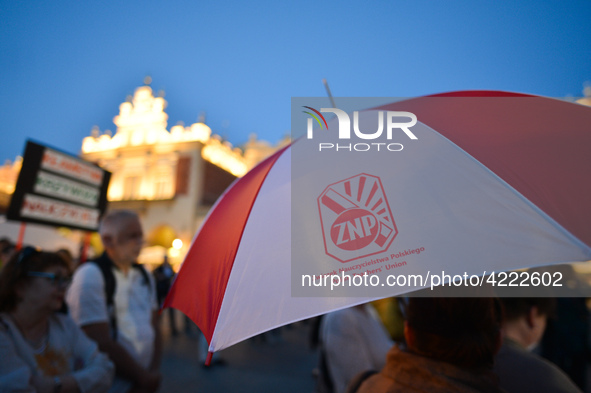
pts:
[42, 349]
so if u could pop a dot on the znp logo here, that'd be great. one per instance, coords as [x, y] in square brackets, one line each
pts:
[356, 218]
[394, 120]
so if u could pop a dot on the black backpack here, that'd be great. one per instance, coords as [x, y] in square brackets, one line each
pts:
[106, 267]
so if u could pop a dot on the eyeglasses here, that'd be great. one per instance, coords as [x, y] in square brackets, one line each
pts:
[57, 280]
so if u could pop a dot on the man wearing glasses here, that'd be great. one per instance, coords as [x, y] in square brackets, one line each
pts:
[123, 320]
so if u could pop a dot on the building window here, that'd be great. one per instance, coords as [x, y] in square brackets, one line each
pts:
[131, 187]
[162, 186]
[183, 175]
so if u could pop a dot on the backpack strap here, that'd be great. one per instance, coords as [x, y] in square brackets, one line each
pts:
[144, 273]
[356, 382]
[105, 265]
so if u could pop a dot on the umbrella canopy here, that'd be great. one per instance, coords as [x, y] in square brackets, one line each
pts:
[489, 184]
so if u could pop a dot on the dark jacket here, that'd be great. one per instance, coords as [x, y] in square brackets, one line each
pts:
[523, 371]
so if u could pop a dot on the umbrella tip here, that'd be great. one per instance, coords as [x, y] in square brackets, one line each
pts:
[208, 359]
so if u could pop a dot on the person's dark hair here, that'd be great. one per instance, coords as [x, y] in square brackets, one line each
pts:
[515, 308]
[66, 255]
[15, 272]
[5, 242]
[6, 246]
[461, 331]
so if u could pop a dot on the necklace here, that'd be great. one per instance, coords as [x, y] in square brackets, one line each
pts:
[38, 346]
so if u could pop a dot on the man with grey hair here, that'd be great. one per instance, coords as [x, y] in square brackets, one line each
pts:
[113, 299]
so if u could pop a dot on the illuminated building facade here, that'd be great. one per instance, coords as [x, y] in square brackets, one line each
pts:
[8, 176]
[170, 178]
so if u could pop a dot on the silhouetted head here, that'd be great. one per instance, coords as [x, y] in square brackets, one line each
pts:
[461, 331]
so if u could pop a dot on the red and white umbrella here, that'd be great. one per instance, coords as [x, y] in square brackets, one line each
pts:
[493, 181]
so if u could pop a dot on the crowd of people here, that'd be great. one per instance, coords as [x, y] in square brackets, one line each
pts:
[96, 328]
[464, 344]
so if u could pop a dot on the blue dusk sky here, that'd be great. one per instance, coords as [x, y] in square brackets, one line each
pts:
[65, 66]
